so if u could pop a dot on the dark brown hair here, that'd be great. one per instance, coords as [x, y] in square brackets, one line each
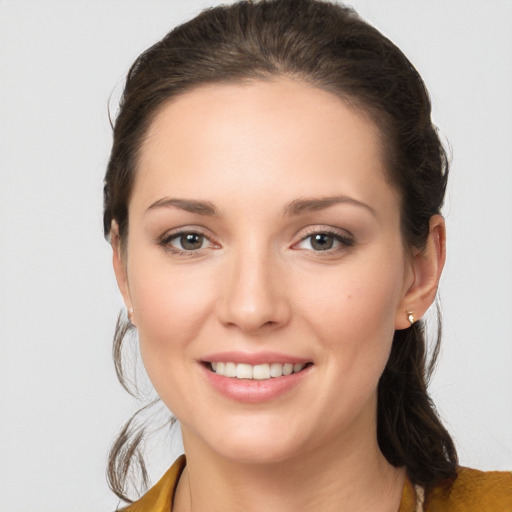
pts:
[331, 47]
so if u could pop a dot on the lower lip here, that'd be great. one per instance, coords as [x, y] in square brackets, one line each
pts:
[254, 391]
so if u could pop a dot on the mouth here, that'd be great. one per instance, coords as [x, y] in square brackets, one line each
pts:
[263, 371]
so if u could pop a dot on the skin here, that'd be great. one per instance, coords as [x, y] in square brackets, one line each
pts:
[257, 283]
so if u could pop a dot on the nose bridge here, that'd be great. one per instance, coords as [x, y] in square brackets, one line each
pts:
[253, 294]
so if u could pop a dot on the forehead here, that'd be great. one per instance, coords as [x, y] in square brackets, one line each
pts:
[217, 138]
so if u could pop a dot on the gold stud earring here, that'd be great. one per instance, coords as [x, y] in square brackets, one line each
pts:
[410, 317]
[130, 314]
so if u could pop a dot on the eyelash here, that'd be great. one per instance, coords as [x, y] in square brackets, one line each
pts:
[345, 241]
[165, 242]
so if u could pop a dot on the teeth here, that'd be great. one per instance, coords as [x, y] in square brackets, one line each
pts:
[230, 370]
[256, 372]
[276, 370]
[287, 368]
[261, 371]
[243, 371]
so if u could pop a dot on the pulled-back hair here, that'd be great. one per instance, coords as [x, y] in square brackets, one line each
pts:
[330, 47]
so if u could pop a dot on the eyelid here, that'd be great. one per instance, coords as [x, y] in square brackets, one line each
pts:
[165, 240]
[343, 236]
[346, 238]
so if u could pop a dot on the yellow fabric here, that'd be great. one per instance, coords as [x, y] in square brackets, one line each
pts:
[408, 503]
[160, 497]
[473, 491]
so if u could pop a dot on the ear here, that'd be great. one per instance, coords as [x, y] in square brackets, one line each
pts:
[427, 265]
[119, 263]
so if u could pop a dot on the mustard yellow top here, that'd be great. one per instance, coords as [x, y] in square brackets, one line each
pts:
[473, 491]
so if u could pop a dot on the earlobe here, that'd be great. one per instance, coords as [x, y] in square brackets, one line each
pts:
[427, 266]
[119, 263]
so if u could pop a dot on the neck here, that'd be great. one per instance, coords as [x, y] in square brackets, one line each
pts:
[343, 475]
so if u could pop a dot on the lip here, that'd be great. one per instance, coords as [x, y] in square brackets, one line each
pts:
[254, 358]
[251, 391]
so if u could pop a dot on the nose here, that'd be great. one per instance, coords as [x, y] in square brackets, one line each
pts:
[254, 297]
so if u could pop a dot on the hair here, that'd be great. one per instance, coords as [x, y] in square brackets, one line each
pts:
[330, 47]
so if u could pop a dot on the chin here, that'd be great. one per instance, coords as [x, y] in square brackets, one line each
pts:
[251, 441]
[259, 452]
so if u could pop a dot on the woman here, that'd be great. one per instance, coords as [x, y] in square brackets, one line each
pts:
[273, 201]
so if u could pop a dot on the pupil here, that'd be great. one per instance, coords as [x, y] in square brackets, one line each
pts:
[322, 242]
[191, 241]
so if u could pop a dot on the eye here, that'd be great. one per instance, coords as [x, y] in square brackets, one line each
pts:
[184, 242]
[321, 241]
[324, 241]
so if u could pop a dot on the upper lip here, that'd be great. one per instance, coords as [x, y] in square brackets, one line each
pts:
[254, 358]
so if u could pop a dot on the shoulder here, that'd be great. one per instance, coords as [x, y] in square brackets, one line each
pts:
[474, 491]
[159, 498]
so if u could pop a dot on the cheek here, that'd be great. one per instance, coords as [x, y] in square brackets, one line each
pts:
[354, 310]
[358, 296]
[170, 306]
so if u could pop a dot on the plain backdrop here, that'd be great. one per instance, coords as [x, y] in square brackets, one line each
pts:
[61, 63]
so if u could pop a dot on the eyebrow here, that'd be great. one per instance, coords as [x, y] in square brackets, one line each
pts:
[189, 205]
[307, 205]
[296, 207]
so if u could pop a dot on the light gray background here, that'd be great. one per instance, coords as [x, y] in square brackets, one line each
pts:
[60, 405]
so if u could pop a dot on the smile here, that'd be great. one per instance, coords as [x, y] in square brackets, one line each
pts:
[255, 378]
[255, 372]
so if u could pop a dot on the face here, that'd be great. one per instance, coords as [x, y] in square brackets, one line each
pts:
[265, 239]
